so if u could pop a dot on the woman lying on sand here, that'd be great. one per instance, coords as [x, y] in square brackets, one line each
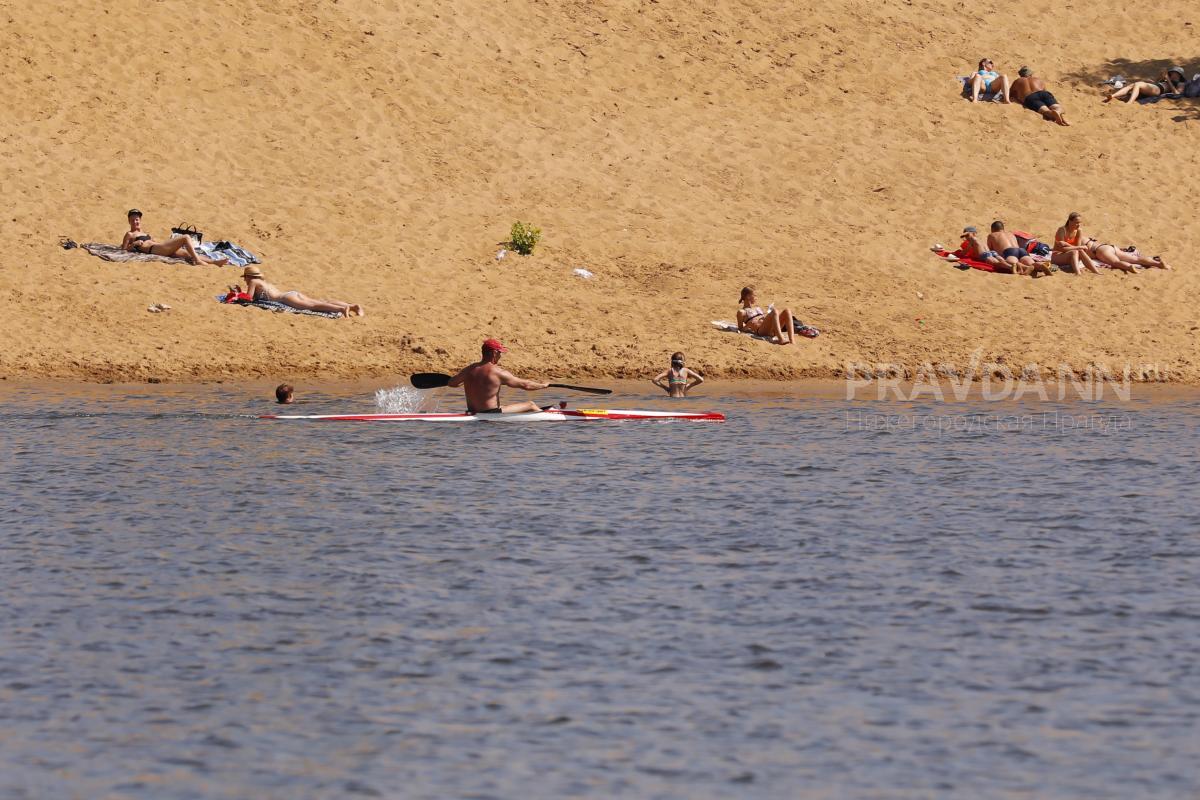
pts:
[1120, 259]
[774, 325]
[137, 241]
[1167, 84]
[258, 288]
[1068, 252]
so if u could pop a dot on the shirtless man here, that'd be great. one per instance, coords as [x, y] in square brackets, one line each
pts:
[1031, 93]
[481, 383]
[973, 248]
[1006, 244]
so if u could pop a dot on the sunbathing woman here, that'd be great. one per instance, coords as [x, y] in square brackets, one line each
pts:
[1120, 259]
[258, 288]
[137, 241]
[770, 324]
[987, 81]
[1167, 84]
[1068, 252]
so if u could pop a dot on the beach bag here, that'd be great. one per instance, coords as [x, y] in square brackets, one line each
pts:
[183, 229]
[1192, 87]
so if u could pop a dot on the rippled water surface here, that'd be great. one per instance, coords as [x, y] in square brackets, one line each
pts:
[811, 600]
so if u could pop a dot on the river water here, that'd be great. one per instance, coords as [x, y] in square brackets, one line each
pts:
[819, 598]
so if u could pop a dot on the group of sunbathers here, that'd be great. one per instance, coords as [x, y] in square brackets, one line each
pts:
[1028, 90]
[1031, 92]
[257, 287]
[1072, 252]
[1172, 82]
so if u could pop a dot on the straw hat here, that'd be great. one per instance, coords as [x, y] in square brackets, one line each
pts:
[251, 272]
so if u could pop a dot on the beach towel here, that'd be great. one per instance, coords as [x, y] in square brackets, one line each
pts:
[799, 328]
[961, 262]
[111, 252]
[271, 305]
[238, 257]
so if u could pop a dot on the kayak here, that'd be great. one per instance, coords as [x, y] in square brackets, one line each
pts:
[549, 415]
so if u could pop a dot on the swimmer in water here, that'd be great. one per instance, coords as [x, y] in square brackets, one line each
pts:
[678, 379]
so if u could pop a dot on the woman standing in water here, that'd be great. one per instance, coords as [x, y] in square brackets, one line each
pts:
[677, 380]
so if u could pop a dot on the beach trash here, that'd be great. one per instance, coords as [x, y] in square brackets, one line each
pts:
[500, 254]
[583, 273]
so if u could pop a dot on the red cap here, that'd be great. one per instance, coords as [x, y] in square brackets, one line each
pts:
[494, 345]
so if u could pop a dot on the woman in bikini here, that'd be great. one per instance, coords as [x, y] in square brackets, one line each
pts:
[138, 241]
[1171, 82]
[258, 288]
[984, 81]
[1120, 259]
[770, 324]
[677, 380]
[1068, 252]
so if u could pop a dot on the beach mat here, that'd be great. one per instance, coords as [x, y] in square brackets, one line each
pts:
[236, 255]
[271, 305]
[111, 252]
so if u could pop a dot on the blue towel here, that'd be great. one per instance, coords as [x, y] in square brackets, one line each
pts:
[237, 256]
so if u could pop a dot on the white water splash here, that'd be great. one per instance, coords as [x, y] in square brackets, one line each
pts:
[402, 400]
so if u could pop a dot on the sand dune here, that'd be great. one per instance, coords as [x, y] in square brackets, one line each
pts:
[377, 152]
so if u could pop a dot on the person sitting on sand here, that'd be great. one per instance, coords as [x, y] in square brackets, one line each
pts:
[987, 81]
[973, 248]
[1069, 251]
[138, 241]
[770, 324]
[258, 288]
[1121, 259]
[1006, 244]
[1031, 92]
[1173, 81]
[677, 380]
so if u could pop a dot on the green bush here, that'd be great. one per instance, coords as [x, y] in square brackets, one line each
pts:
[524, 237]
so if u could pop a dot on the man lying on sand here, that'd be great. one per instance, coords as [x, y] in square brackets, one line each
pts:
[975, 249]
[1006, 244]
[1031, 93]
[137, 241]
[258, 288]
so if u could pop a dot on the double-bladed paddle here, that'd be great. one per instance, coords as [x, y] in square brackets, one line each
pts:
[434, 380]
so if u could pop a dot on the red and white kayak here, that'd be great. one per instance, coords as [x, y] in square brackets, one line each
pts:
[550, 415]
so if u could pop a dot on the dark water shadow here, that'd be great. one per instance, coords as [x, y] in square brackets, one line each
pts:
[1144, 70]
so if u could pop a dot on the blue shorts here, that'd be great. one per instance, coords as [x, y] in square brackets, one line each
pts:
[1013, 252]
[988, 253]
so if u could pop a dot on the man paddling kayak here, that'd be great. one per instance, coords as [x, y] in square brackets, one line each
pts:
[481, 383]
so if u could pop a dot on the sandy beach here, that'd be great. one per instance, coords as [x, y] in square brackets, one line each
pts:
[379, 153]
